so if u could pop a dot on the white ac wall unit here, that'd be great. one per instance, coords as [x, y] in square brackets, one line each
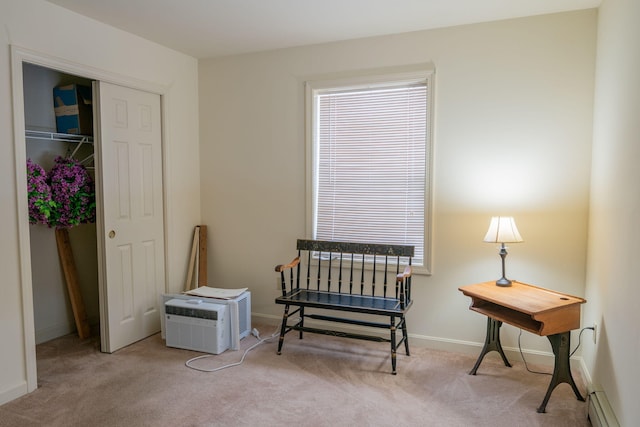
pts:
[239, 314]
[197, 325]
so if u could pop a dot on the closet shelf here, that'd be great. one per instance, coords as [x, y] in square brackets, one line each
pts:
[54, 136]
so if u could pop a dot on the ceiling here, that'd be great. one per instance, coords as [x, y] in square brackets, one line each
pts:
[212, 28]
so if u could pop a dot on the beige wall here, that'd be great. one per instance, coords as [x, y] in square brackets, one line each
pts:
[614, 232]
[512, 136]
[513, 128]
[38, 26]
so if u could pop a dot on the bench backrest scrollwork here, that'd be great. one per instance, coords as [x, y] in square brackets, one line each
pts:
[350, 268]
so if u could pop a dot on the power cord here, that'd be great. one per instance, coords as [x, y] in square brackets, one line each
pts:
[570, 354]
[525, 360]
[254, 332]
[580, 339]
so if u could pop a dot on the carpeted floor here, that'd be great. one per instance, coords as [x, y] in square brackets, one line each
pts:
[319, 381]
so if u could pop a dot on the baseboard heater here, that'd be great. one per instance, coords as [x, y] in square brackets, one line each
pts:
[599, 410]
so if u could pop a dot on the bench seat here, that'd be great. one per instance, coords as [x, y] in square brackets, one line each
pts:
[344, 302]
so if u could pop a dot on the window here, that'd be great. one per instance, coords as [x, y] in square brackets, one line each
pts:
[369, 146]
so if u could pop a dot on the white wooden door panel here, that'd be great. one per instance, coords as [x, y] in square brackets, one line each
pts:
[132, 223]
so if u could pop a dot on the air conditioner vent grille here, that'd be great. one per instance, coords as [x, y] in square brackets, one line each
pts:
[192, 312]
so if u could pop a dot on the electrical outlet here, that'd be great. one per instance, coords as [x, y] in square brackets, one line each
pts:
[595, 332]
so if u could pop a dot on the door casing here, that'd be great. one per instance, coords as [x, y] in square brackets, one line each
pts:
[19, 56]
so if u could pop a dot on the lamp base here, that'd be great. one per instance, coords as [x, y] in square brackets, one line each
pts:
[504, 282]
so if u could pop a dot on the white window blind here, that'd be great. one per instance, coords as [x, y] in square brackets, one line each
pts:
[371, 159]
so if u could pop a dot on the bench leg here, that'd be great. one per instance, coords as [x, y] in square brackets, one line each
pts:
[392, 328]
[405, 335]
[283, 328]
[301, 323]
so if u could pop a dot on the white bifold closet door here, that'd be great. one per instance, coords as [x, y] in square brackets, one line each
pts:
[130, 221]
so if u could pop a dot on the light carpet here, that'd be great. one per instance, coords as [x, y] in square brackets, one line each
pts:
[317, 381]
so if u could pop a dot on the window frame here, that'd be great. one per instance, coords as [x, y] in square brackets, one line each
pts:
[370, 80]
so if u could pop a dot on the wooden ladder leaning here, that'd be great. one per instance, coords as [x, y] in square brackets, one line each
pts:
[71, 277]
[197, 271]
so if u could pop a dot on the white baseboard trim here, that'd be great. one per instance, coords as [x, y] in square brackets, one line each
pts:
[52, 332]
[585, 372]
[61, 329]
[12, 393]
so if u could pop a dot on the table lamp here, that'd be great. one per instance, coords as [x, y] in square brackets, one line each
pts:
[502, 229]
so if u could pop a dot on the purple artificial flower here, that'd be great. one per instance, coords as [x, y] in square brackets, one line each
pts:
[73, 193]
[39, 194]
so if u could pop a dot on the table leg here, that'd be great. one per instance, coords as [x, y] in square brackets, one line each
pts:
[562, 369]
[491, 343]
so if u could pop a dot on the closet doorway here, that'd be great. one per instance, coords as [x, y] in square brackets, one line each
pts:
[120, 258]
[52, 309]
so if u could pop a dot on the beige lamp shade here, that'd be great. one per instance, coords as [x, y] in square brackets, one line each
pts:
[502, 229]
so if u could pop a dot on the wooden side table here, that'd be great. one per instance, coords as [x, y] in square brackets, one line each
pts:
[534, 309]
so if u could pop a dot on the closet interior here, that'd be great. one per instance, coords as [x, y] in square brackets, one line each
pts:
[53, 314]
